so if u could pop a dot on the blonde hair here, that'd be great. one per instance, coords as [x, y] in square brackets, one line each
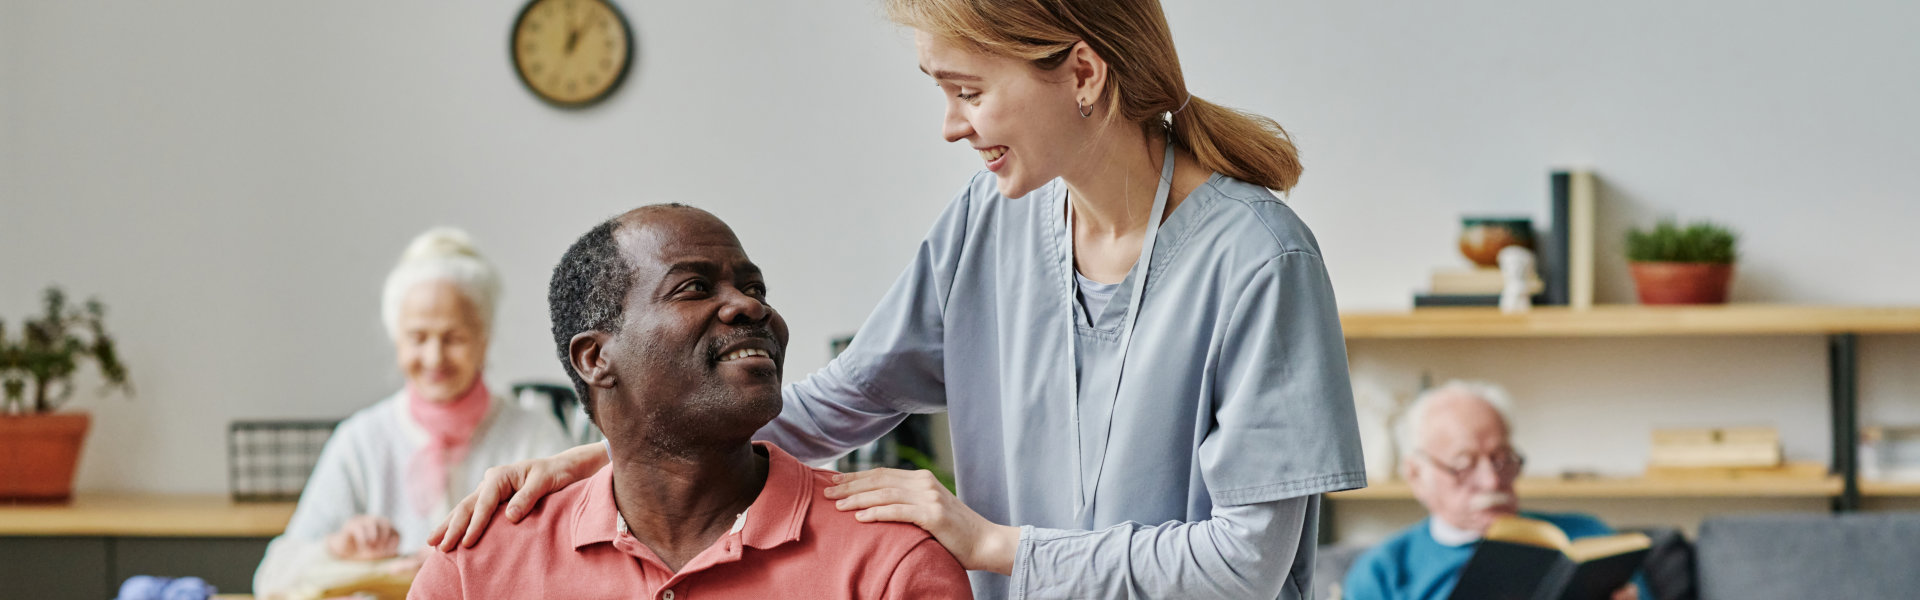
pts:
[441, 254]
[1143, 72]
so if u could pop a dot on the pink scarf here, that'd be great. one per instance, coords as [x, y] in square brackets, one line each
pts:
[450, 426]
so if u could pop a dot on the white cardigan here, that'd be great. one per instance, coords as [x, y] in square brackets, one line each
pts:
[362, 471]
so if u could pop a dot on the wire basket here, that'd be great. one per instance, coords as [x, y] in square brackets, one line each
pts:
[269, 461]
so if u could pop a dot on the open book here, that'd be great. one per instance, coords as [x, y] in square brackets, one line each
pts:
[1527, 559]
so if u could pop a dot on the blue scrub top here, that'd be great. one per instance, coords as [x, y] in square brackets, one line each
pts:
[1235, 389]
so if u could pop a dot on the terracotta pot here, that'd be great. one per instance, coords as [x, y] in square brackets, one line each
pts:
[1682, 283]
[38, 455]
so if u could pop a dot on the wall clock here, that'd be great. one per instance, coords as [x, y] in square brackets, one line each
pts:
[572, 53]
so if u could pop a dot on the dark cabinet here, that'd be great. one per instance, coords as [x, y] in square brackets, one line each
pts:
[91, 568]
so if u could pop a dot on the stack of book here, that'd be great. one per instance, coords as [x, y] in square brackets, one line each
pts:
[1564, 255]
[1890, 453]
[1728, 451]
[1472, 281]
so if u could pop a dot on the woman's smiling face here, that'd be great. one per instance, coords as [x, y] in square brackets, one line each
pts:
[1024, 121]
[442, 341]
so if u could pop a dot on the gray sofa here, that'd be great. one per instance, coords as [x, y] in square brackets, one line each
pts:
[1857, 556]
[1761, 557]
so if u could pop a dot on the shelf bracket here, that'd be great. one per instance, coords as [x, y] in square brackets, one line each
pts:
[1842, 373]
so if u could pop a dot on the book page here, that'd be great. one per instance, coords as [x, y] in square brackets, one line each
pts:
[1586, 549]
[1532, 532]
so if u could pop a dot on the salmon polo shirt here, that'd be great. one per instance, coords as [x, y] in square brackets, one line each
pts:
[791, 543]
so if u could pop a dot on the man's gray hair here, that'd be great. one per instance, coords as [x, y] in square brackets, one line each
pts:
[1406, 434]
[441, 254]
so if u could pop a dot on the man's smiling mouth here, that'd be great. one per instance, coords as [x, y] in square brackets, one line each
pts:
[745, 353]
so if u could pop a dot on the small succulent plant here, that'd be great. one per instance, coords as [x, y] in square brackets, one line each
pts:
[1700, 242]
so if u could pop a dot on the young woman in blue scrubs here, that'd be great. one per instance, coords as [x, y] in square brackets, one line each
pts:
[1136, 342]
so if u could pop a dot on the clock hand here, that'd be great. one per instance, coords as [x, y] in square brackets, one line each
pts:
[573, 26]
[573, 33]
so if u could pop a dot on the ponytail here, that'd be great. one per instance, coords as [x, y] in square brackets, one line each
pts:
[1238, 144]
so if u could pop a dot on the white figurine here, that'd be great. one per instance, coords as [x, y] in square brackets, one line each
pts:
[1515, 263]
[1374, 409]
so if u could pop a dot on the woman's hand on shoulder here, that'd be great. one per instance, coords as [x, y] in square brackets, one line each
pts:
[917, 497]
[523, 483]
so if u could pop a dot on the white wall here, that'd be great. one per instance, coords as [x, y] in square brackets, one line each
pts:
[234, 178]
[9, 26]
[1787, 121]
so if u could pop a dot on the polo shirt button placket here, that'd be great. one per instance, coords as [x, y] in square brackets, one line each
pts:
[666, 595]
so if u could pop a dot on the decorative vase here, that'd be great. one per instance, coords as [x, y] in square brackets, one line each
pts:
[1482, 238]
[38, 455]
[1681, 283]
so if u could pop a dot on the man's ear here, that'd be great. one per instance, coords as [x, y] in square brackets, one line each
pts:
[1089, 73]
[586, 352]
[1409, 469]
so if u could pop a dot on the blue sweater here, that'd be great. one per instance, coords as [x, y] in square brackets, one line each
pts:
[1412, 566]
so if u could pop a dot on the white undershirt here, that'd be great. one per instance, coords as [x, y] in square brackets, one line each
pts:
[1448, 535]
[1094, 296]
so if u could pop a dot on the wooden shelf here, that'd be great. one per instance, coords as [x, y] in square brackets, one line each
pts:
[1543, 488]
[1889, 489]
[146, 515]
[1624, 320]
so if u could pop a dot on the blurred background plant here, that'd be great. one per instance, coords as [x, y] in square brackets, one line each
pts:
[1700, 242]
[47, 352]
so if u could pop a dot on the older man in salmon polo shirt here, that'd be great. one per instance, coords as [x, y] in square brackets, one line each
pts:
[663, 324]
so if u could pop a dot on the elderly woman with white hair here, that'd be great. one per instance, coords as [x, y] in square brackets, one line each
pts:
[387, 475]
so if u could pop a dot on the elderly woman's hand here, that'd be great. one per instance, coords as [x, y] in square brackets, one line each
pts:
[917, 497]
[526, 482]
[365, 537]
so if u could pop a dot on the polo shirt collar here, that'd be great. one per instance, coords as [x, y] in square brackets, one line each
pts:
[776, 517]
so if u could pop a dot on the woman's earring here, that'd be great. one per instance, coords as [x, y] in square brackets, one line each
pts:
[1086, 110]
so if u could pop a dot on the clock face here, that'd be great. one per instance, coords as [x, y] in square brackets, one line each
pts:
[572, 52]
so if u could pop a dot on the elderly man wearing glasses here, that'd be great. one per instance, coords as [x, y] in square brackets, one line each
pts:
[1457, 456]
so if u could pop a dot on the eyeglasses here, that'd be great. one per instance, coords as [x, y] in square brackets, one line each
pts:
[1506, 463]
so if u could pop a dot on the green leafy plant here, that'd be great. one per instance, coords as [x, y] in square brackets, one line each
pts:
[1700, 242]
[48, 352]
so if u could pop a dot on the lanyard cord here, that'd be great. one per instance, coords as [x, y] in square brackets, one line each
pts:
[1144, 267]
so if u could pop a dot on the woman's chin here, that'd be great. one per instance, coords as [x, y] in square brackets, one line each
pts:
[435, 392]
[1014, 187]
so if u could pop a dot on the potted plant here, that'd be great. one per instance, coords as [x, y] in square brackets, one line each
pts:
[39, 448]
[1672, 264]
